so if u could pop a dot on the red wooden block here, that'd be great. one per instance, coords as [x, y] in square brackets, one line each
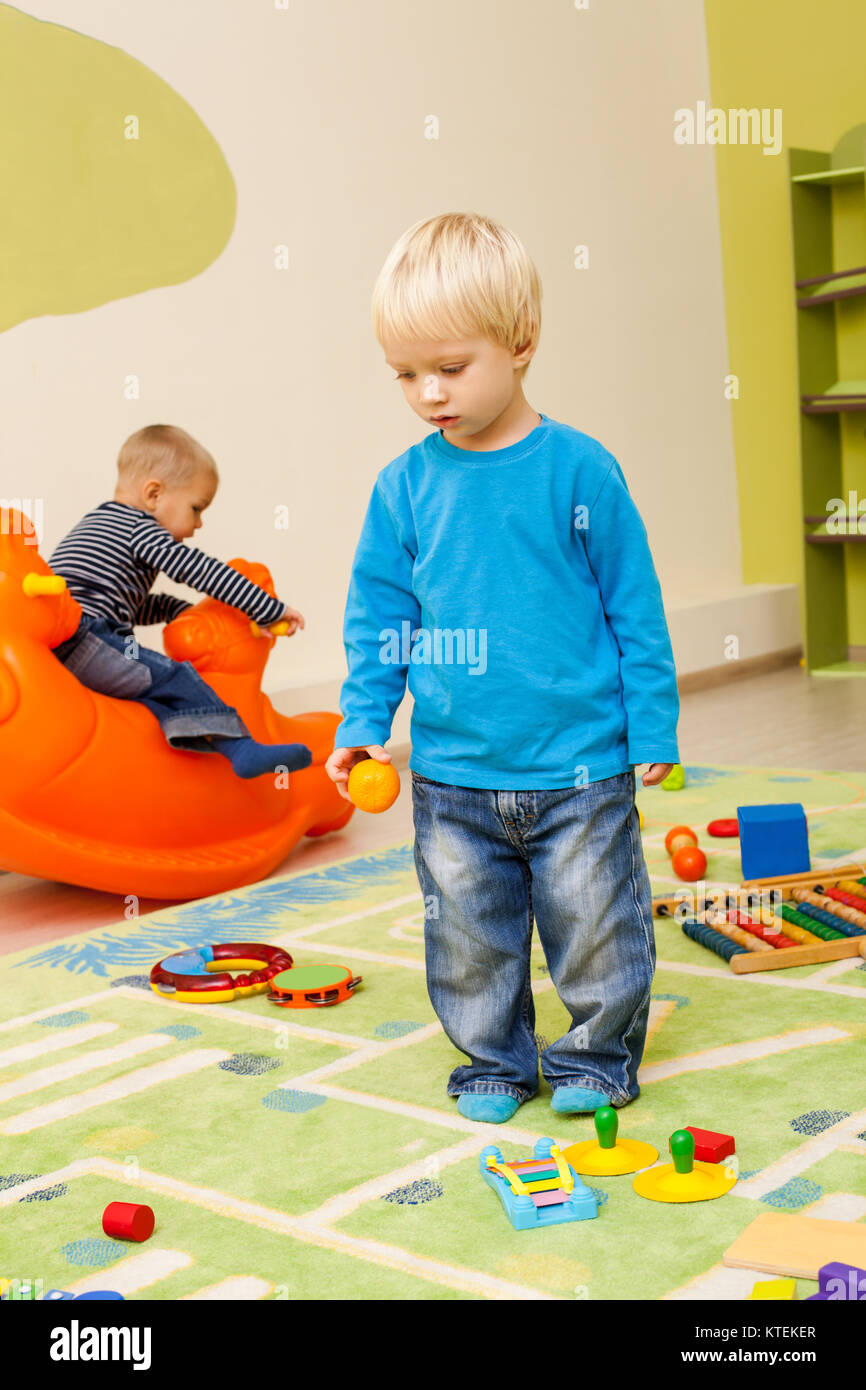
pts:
[128, 1221]
[709, 1146]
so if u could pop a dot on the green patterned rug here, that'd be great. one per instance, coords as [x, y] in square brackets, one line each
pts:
[316, 1155]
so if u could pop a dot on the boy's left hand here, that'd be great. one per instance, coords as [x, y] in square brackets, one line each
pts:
[655, 773]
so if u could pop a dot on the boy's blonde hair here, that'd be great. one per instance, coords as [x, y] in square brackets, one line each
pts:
[165, 452]
[458, 275]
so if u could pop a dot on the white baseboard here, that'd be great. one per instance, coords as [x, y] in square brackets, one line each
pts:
[748, 623]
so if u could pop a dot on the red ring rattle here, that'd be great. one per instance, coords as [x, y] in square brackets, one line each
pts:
[189, 976]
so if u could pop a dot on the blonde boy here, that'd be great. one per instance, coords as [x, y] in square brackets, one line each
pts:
[508, 527]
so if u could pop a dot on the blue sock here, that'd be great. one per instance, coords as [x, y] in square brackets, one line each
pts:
[487, 1109]
[577, 1100]
[251, 759]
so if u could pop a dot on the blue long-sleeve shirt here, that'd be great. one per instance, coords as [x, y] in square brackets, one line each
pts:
[517, 589]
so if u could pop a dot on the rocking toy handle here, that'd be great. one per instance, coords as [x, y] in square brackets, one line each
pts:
[35, 584]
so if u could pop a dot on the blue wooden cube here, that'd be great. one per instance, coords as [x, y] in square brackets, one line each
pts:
[774, 840]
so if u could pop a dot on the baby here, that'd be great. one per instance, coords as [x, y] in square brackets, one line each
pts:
[508, 530]
[110, 560]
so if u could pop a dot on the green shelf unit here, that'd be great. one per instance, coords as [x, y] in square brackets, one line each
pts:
[828, 221]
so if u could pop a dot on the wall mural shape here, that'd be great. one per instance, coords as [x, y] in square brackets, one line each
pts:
[110, 183]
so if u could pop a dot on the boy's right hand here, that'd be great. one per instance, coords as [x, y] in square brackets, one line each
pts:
[342, 760]
[293, 618]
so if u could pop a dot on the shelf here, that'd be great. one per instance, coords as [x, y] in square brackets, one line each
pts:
[840, 668]
[837, 536]
[832, 176]
[844, 284]
[829, 245]
[834, 537]
[842, 395]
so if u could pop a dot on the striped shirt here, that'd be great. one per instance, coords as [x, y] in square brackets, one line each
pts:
[110, 561]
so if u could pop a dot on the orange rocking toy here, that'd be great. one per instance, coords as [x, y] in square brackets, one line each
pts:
[91, 793]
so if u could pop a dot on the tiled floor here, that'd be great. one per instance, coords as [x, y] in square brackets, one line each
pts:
[784, 718]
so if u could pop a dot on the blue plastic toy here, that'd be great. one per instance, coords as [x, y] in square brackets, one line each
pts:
[774, 840]
[540, 1191]
[98, 1295]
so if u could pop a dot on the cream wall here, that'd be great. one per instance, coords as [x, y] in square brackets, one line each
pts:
[555, 120]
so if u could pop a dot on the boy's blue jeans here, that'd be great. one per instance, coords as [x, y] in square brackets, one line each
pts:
[490, 861]
[110, 661]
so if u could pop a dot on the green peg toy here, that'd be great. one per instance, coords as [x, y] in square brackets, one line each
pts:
[683, 1150]
[606, 1155]
[606, 1126]
[684, 1180]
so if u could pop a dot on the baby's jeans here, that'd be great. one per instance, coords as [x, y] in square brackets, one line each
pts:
[490, 861]
[111, 662]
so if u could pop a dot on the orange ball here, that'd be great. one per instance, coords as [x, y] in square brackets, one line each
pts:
[373, 786]
[689, 863]
[682, 833]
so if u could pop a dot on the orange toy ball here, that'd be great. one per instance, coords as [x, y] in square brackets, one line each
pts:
[689, 863]
[677, 832]
[373, 786]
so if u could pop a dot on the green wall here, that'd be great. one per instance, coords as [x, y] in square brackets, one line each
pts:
[112, 184]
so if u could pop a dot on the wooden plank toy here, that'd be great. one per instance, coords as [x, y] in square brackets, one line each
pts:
[797, 1246]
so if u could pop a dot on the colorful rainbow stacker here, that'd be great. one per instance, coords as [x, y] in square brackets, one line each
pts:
[540, 1191]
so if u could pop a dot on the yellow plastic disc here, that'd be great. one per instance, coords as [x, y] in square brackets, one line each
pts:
[627, 1156]
[373, 786]
[665, 1184]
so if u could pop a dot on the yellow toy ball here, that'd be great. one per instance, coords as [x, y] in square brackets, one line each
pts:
[373, 786]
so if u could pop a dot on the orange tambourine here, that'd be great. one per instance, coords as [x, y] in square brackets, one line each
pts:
[313, 986]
